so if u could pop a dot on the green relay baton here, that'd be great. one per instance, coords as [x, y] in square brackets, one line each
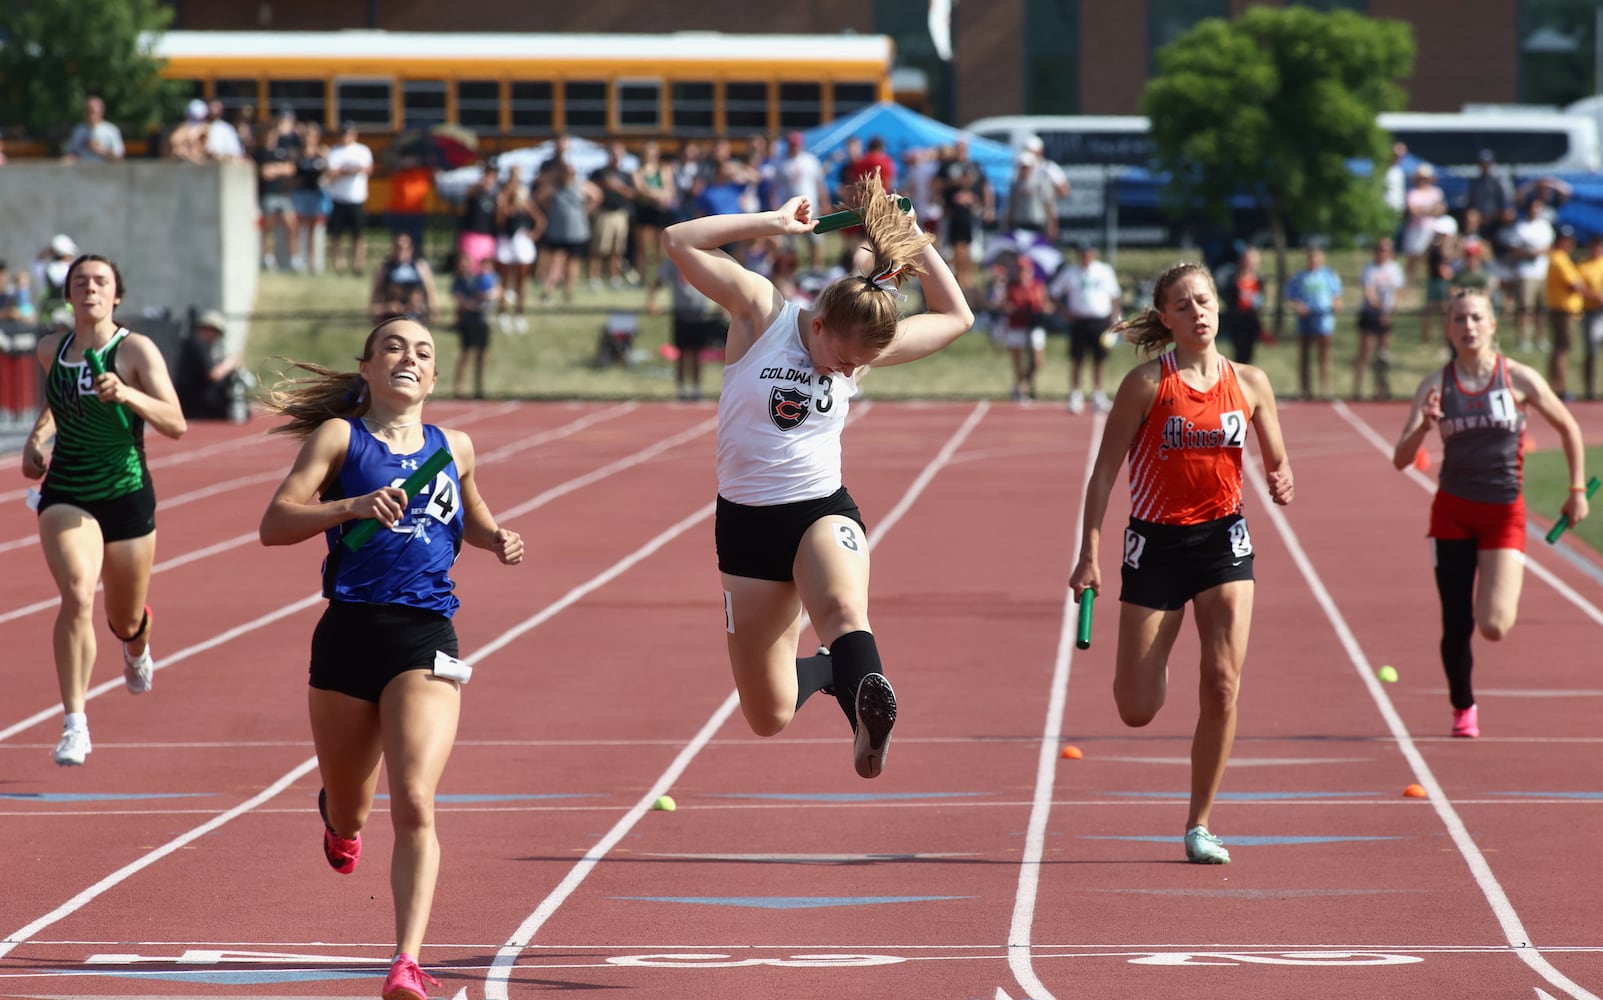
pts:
[848, 218]
[358, 536]
[1563, 523]
[97, 365]
[1082, 637]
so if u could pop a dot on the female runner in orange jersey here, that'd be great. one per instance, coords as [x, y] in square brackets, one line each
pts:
[1182, 419]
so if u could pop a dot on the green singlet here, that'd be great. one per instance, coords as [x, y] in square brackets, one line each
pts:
[94, 457]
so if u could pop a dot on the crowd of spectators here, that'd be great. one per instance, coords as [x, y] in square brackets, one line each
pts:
[524, 239]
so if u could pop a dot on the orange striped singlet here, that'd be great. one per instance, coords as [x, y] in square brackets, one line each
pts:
[1185, 465]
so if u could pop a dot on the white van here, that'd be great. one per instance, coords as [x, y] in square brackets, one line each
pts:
[1075, 140]
[1529, 141]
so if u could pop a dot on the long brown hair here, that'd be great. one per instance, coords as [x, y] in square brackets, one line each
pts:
[1147, 331]
[867, 303]
[324, 394]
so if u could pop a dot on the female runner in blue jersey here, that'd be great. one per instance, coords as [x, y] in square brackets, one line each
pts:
[384, 653]
[789, 535]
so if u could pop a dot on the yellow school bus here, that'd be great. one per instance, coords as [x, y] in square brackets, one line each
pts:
[512, 89]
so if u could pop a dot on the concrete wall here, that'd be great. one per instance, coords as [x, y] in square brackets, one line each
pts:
[183, 235]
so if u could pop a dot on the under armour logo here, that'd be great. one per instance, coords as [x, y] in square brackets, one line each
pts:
[409, 463]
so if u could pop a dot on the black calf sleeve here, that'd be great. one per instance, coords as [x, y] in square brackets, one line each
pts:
[854, 656]
[1455, 583]
[813, 673]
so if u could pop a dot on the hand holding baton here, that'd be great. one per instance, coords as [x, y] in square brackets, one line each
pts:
[1563, 523]
[850, 217]
[358, 536]
[1082, 638]
[97, 366]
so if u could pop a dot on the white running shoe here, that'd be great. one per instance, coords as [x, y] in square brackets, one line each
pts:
[1100, 400]
[73, 748]
[1076, 402]
[1203, 848]
[138, 672]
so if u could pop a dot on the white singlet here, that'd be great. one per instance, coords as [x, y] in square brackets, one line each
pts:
[779, 421]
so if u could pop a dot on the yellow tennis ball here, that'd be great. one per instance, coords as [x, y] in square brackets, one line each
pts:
[1388, 673]
[665, 803]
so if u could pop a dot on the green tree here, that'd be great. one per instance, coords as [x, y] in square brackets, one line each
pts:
[55, 53]
[1276, 105]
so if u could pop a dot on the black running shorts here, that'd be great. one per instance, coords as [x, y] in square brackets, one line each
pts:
[1166, 565]
[132, 515]
[761, 542]
[359, 648]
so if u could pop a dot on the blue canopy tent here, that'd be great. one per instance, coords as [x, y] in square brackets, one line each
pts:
[902, 129]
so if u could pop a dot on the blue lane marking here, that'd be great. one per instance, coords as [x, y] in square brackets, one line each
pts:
[1253, 796]
[789, 902]
[1231, 841]
[1553, 795]
[247, 977]
[97, 796]
[848, 796]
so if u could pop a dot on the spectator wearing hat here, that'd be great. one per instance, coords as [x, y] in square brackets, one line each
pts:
[1054, 173]
[1088, 292]
[1566, 300]
[1488, 194]
[1421, 207]
[1031, 200]
[187, 141]
[50, 279]
[210, 382]
[1439, 257]
[94, 140]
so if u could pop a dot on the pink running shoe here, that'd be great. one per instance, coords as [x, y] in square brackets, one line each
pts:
[1466, 723]
[342, 854]
[405, 981]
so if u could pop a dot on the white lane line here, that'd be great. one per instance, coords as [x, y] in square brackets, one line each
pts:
[149, 858]
[496, 980]
[1019, 952]
[1513, 930]
[643, 455]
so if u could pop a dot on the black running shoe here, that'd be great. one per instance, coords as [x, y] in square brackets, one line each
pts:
[876, 714]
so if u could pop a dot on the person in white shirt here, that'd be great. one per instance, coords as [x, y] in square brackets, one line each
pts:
[350, 163]
[1532, 240]
[801, 175]
[1382, 279]
[94, 140]
[789, 535]
[1088, 292]
[222, 138]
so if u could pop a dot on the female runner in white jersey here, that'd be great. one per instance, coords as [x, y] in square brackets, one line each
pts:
[789, 535]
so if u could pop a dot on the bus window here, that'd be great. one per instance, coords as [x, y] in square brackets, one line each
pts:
[640, 104]
[306, 97]
[584, 106]
[478, 105]
[692, 108]
[1456, 148]
[1102, 148]
[365, 102]
[236, 94]
[532, 106]
[746, 107]
[851, 98]
[801, 105]
[422, 103]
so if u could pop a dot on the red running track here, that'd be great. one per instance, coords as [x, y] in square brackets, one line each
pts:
[183, 860]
